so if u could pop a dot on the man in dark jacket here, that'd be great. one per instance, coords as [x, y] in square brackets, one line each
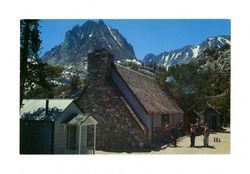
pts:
[174, 135]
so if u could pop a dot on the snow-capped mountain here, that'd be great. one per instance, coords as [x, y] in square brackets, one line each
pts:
[91, 36]
[187, 53]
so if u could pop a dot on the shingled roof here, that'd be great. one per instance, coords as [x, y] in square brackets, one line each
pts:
[145, 88]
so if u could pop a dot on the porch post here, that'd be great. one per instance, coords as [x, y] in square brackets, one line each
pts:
[94, 138]
[67, 140]
[79, 141]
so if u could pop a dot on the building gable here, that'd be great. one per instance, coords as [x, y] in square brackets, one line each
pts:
[148, 92]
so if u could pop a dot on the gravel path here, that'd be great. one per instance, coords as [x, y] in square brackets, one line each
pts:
[183, 146]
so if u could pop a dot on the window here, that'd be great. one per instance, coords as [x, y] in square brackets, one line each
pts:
[71, 137]
[165, 119]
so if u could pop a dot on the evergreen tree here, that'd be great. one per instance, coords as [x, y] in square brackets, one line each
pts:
[33, 72]
[200, 83]
[29, 47]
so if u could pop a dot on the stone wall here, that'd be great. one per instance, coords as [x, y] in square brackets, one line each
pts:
[116, 128]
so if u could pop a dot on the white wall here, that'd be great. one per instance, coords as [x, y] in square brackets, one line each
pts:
[60, 133]
[83, 138]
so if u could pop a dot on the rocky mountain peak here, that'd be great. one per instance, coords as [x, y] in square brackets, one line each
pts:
[101, 22]
[90, 36]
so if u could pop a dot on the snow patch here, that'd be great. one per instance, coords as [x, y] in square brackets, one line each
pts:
[172, 56]
[177, 55]
[220, 40]
[134, 61]
[196, 51]
[69, 67]
[227, 42]
[167, 67]
[91, 34]
[166, 58]
[209, 43]
[223, 41]
[110, 31]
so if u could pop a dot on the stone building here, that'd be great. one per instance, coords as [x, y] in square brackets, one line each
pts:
[128, 105]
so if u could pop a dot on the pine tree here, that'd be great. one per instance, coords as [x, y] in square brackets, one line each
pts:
[33, 72]
[29, 46]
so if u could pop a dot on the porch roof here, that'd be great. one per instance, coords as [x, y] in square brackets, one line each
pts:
[35, 109]
[83, 119]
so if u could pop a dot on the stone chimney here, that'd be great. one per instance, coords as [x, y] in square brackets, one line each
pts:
[99, 66]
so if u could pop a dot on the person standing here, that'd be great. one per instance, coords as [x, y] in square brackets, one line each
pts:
[174, 135]
[192, 135]
[206, 135]
[197, 126]
[167, 134]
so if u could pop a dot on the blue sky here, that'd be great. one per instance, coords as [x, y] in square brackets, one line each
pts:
[146, 36]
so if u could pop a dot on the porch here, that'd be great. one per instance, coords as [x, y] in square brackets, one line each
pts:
[81, 135]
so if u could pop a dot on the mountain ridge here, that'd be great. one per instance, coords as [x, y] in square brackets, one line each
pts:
[187, 53]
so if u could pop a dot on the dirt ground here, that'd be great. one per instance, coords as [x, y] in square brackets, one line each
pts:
[183, 146]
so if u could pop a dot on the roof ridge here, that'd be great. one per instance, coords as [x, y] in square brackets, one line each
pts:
[151, 78]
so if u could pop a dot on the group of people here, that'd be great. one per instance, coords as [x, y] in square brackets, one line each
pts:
[194, 129]
[171, 134]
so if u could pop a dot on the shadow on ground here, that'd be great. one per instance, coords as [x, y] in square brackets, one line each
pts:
[154, 147]
[199, 147]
